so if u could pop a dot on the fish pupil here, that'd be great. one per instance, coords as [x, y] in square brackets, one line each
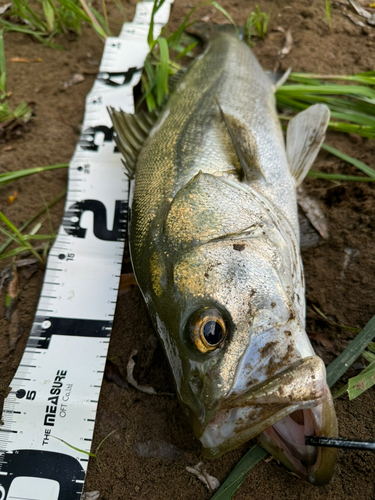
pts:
[213, 332]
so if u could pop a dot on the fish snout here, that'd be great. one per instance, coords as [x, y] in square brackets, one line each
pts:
[304, 383]
[282, 410]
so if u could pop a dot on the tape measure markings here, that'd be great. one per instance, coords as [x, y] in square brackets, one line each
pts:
[55, 390]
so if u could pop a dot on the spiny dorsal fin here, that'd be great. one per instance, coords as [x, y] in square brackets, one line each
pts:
[304, 137]
[244, 146]
[131, 133]
[278, 79]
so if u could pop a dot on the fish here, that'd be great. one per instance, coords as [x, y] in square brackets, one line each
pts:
[214, 243]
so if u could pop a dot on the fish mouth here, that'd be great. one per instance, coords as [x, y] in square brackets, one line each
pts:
[281, 411]
[285, 440]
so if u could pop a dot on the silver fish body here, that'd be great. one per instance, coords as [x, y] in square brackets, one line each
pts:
[215, 248]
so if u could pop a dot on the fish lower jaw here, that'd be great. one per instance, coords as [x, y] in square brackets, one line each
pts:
[232, 428]
[285, 440]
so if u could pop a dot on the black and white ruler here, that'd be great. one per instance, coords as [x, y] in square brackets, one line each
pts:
[55, 391]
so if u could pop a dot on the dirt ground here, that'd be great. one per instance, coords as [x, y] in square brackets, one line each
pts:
[153, 444]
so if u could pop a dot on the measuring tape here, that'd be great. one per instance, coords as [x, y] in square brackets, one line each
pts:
[55, 391]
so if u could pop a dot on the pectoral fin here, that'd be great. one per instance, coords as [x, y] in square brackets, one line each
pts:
[305, 135]
[131, 133]
[244, 146]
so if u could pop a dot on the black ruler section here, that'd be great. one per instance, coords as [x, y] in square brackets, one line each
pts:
[44, 327]
[47, 465]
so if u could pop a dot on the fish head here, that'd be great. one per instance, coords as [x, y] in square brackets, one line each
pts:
[232, 325]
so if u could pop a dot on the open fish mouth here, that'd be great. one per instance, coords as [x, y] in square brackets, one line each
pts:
[280, 413]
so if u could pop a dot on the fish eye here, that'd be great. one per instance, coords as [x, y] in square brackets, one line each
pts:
[208, 329]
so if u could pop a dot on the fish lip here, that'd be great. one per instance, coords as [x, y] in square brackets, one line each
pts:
[240, 418]
[303, 381]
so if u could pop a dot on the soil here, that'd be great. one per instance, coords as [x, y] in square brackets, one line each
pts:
[340, 272]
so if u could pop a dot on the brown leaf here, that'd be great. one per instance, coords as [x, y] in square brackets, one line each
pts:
[12, 294]
[12, 197]
[288, 45]
[15, 330]
[113, 374]
[127, 282]
[130, 377]
[24, 60]
[76, 78]
[313, 212]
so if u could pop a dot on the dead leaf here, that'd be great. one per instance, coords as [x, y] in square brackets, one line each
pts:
[113, 374]
[15, 330]
[127, 282]
[288, 45]
[31, 270]
[5, 7]
[211, 483]
[8, 148]
[76, 78]
[142, 388]
[11, 311]
[355, 21]
[91, 495]
[24, 60]
[313, 212]
[12, 294]
[359, 10]
[130, 378]
[12, 197]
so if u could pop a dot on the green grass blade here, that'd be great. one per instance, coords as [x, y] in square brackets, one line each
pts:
[360, 165]
[338, 177]
[340, 365]
[367, 78]
[12, 176]
[33, 237]
[328, 89]
[13, 228]
[101, 21]
[49, 14]
[17, 236]
[223, 11]
[14, 253]
[186, 51]
[162, 77]
[5, 245]
[359, 384]
[3, 72]
[75, 448]
[150, 36]
[238, 474]
[368, 355]
[11, 236]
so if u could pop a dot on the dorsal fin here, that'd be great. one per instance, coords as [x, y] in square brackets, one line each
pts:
[131, 133]
[244, 146]
[304, 137]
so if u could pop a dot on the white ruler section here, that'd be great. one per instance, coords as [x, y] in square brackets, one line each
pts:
[55, 391]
